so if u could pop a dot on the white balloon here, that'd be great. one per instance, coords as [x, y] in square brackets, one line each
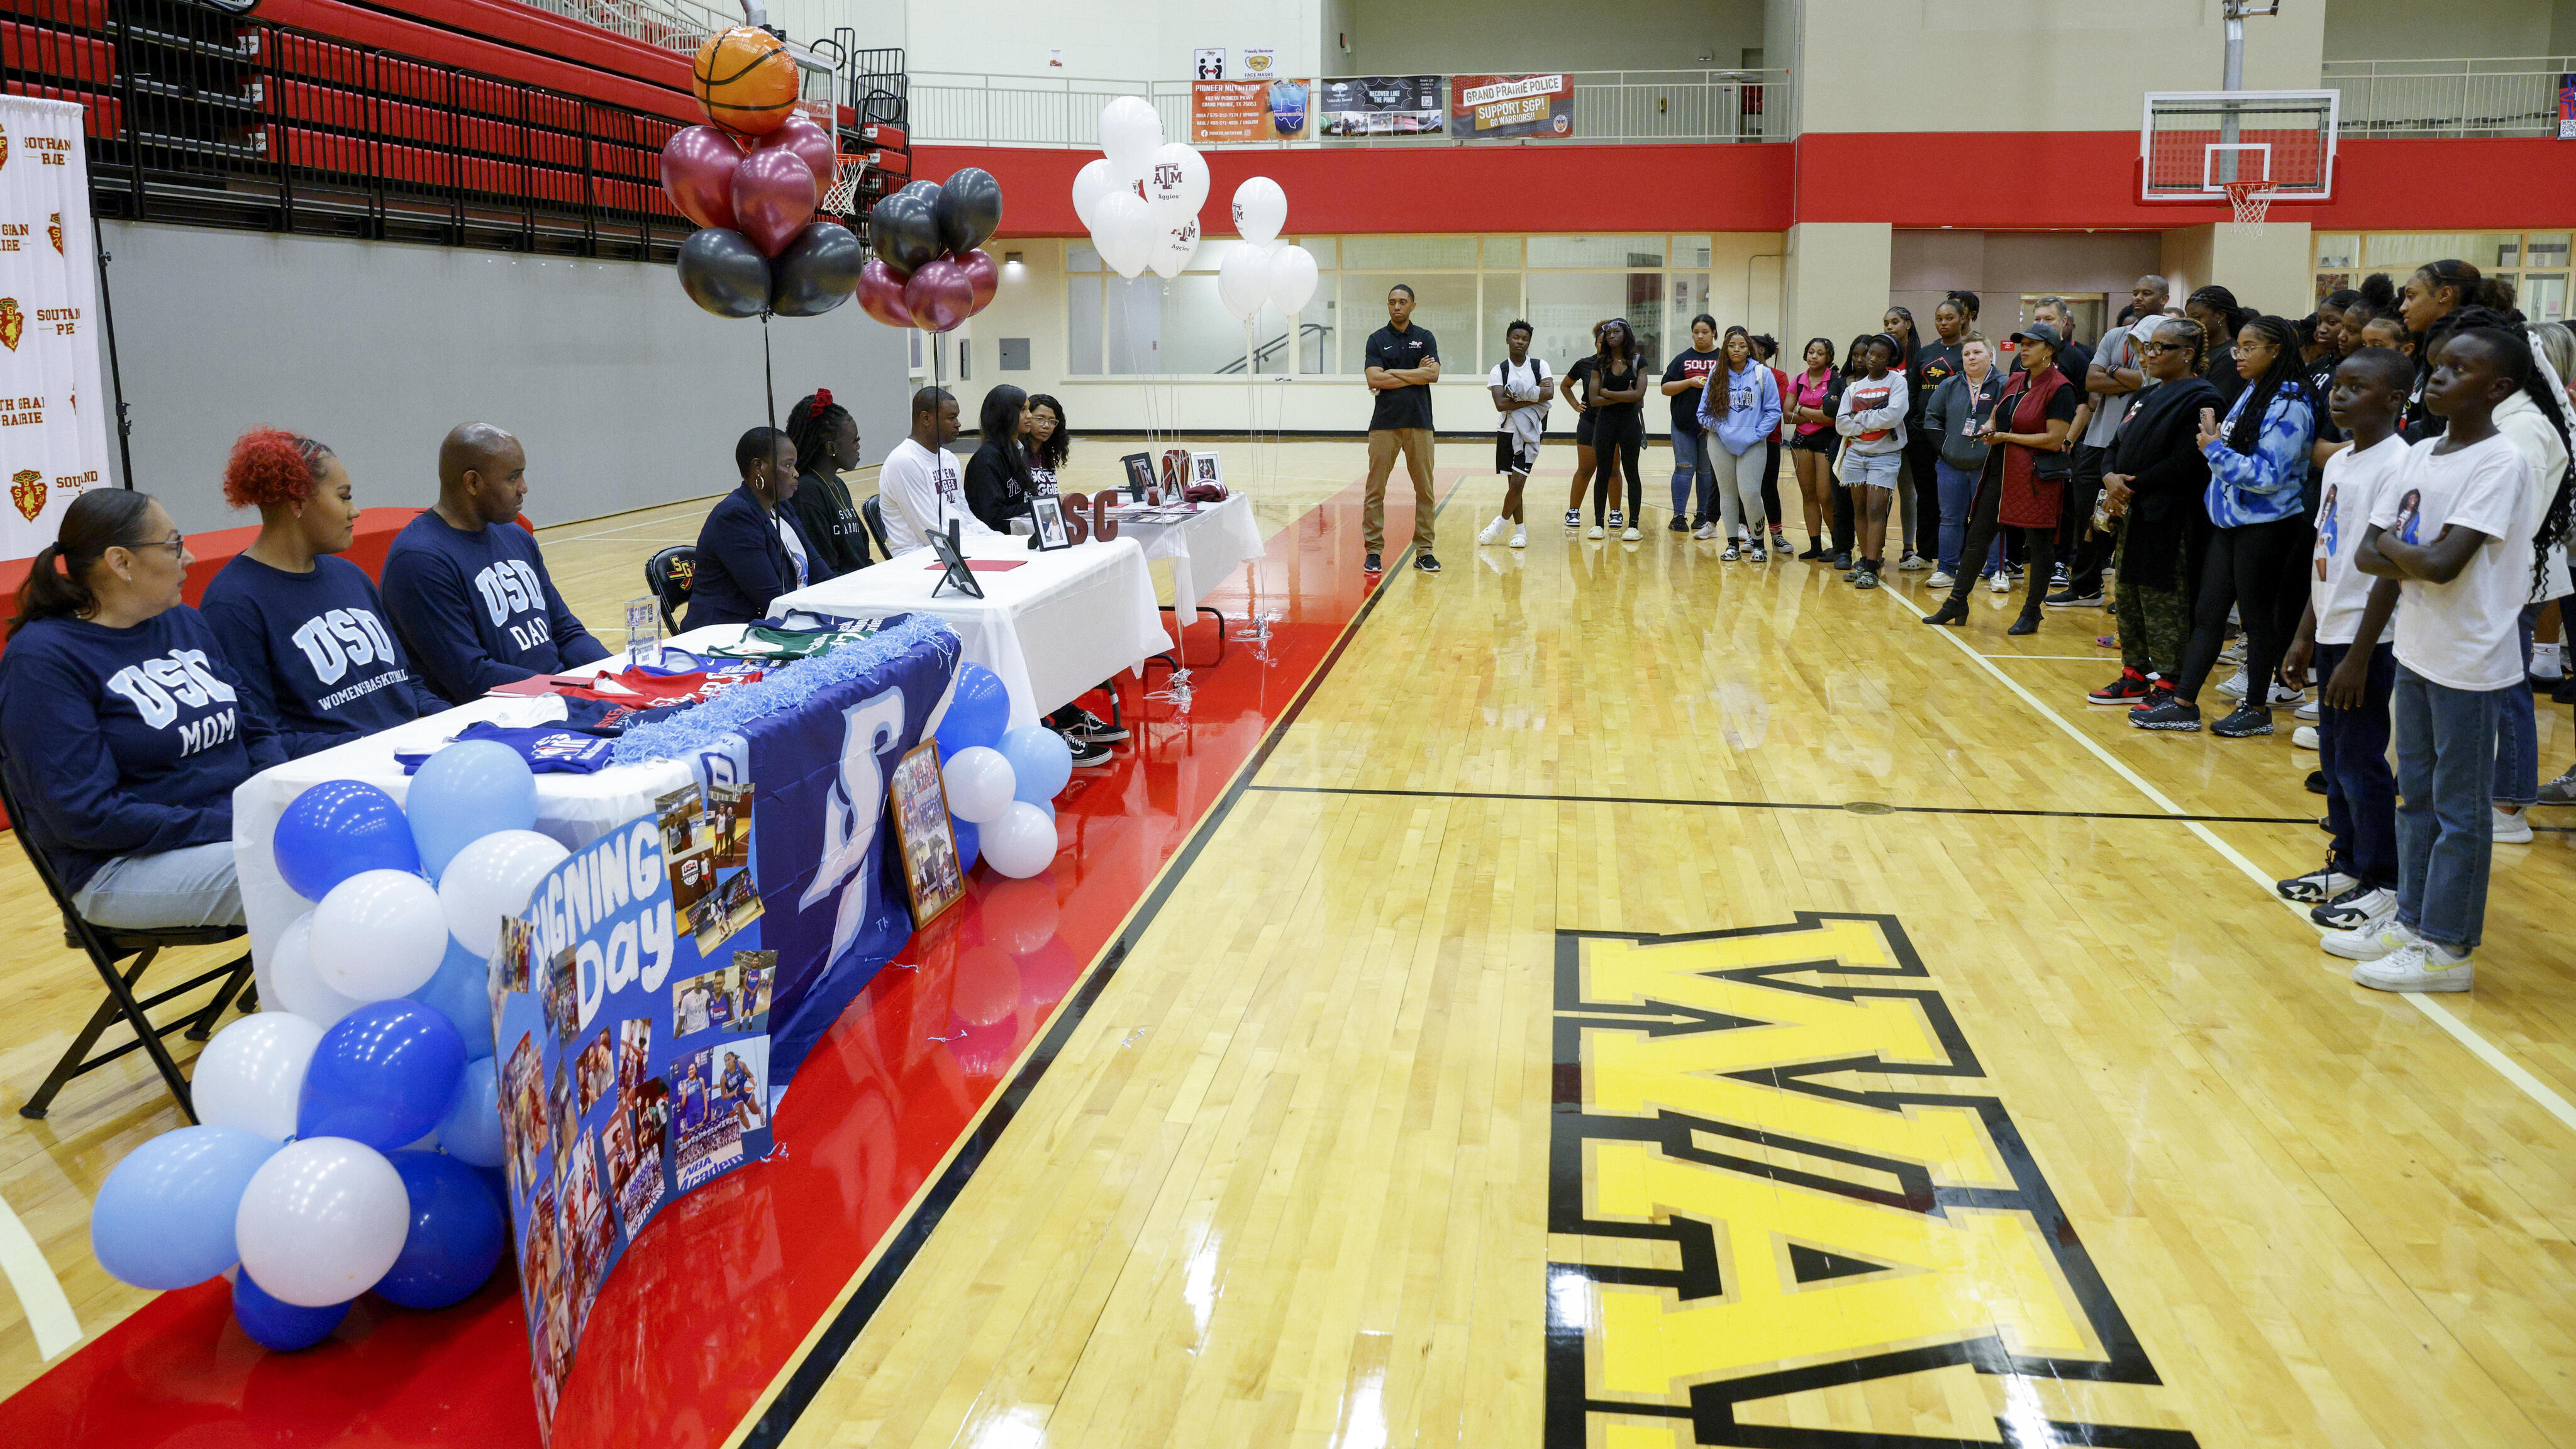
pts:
[1260, 209]
[1293, 276]
[300, 988]
[1020, 844]
[1179, 178]
[1090, 184]
[1131, 130]
[250, 1075]
[1243, 281]
[322, 1221]
[378, 935]
[1124, 233]
[1174, 248]
[490, 879]
[979, 782]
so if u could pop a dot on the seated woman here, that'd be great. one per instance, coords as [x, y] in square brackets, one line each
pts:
[122, 725]
[1047, 442]
[827, 445]
[306, 631]
[751, 549]
[998, 482]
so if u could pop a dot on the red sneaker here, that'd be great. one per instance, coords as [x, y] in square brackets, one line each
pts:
[2129, 688]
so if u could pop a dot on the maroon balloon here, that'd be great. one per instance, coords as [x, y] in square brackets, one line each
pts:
[983, 275]
[939, 296]
[881, 294]
[808, 140]
[773, 197]
[698, 165]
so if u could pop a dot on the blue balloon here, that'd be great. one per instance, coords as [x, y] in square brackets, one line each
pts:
[335, 830]
[471, 1130]
[383, 1075]
[456, 1236]
[466, 792]
[1040, 759]
[164, 1217]
[279, 1326]
[462, 993]
[970, 843]
[979, 709]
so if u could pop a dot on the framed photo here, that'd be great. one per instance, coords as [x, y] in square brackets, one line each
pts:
[944, 545]
[1204, 468]
[930, 869]
[1048, 515]
[1140, 473]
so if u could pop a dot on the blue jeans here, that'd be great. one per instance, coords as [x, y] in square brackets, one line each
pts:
[1691, 449]
[1958, 489]
[2517, 761]
[2352, 753]
[190, 886]
[2446, 740]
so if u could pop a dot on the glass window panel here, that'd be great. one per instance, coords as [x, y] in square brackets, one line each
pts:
[1596, 251]
[1082, 256]
[1199, 335]
[1135, 323]
[1386, 253]
[2342, 249]
[1690, 298]
[1326, 250]
[2544, 296]
[1446, 305]
[1082, 325]
[1502, 308]
[2545, 249]
[1502, 254]
[1563, 308]
[1690, 251]
[2390, 251]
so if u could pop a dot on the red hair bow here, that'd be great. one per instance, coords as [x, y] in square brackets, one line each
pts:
[822, 398]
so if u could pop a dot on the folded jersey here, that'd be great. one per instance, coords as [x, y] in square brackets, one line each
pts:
[555, 749]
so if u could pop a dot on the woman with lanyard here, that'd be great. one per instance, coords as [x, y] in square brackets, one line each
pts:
[1686, 383]
[2025, 479]
[2153, 479]
[751, 549]
[1045, 443]
[1956, 418]
[998, 482]
[1585, 374]
[1916, 494]
[1807, 408]
[1737, 415]
[827, 445]
[1619, 425]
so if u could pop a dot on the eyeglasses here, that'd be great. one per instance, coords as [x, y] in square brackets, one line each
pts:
[2162, 347]
[176, 543]
[2239, 349]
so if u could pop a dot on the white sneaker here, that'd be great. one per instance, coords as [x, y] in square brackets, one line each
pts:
[1493, 532]
[2284, 694]
[2369, 941]
[1574, 518]
[2234, 688]
[2417, 966]
[2234, 650]
[2545, 663]
[1631, 536]
[1756, 555]
[2304, 737]
[2511, 828]
[1520, 536]
[1939, 580]
[1593, 532]
[1705, 530]
[2000, 583]
[2311, 711]
[1912, 562]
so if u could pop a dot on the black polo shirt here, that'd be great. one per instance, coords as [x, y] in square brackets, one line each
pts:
[1402, 407]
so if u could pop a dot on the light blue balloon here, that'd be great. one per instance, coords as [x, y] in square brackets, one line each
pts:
[1040, 759]
[979, 709]
[164, 1217]
[465, 792]
[461, 991]
[471, 1130]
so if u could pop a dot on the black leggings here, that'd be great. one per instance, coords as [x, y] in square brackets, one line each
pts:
[1628, 435]
[2242, 568]
[1982, 528]
[1771, 483]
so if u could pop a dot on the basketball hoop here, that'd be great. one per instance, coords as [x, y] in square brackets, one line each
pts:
[2251, 201]
[840, 200]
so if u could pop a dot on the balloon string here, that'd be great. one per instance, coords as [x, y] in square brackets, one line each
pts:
[768, 371]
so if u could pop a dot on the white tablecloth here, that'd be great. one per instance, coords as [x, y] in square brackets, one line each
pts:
[1202, 548]
[1052, 629]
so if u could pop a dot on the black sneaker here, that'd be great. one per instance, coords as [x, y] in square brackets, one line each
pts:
[1087, 755]
[1574, 518]
[2243, 721]
[1426, 563]
[1372, 566]
[2316, 782]
[2076, 598]
[2173, 715]
[1679, 524]
[1089, 726]
[2325, 883]
[1841, 559]
[2349, 910]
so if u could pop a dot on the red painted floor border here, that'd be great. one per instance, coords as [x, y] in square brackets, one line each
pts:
[722, 1292]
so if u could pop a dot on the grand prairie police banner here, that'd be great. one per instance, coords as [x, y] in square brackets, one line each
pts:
[1491, 107]
[53, 408]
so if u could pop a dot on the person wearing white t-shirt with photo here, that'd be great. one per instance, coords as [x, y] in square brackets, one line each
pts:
[1520, 386]
[2455, 528]
[921, 483]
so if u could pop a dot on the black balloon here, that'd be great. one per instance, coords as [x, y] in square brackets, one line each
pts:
[904, 228]
[969, 210]
[723, 272]
[818, 271]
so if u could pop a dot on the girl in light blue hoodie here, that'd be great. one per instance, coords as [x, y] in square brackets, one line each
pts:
[1741, 416]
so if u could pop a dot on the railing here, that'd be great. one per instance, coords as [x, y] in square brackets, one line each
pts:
[2404, 98]
[1624, 107]
[681, 25]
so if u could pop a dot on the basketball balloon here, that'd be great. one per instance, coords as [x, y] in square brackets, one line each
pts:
[745, 81]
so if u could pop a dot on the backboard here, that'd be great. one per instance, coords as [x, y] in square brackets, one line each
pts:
[2191, 144]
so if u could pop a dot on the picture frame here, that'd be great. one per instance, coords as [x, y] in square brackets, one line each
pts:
[1140, 473]
[1046, 515]
[1206, 468]
[932, 874]
[944, 545]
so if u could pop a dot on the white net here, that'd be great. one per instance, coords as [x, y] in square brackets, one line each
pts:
[842, 198]
[2251, 201]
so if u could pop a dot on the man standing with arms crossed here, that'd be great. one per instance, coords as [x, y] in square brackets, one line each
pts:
[1403, 361]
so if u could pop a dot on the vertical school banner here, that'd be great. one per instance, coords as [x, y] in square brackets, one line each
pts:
[53, 408]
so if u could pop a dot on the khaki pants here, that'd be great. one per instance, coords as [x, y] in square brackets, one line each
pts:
[1383, 445]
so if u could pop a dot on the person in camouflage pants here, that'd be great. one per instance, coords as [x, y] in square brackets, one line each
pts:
[2153, 622]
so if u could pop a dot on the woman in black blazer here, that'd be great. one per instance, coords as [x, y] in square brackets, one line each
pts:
[751, 548]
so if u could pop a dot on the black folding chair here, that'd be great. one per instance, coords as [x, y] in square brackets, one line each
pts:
[873, 510]
[668, 574]
[106, 947]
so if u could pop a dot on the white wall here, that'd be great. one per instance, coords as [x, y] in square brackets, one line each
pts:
[2411, 30]
[1475, 37]
[1133, 40]
[623, 391]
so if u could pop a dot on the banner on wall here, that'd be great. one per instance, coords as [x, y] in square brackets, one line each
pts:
[1379, 105]
[53, 406]
[2567, 107]
[1242, 111]
[1491, 107]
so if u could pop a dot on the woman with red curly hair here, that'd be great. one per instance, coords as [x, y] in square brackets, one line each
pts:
[306, 631]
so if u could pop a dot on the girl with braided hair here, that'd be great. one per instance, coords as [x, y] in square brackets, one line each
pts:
[827, 444]
[2431, 295]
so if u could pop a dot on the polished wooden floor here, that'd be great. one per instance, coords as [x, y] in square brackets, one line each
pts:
[1641, 1000]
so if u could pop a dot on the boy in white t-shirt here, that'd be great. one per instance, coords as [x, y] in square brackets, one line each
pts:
[2346, 620]
[1520, 388]
[2452, 527]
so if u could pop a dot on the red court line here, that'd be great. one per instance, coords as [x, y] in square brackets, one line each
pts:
[722, 1290]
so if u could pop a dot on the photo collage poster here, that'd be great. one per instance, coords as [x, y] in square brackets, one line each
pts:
[633, 1000]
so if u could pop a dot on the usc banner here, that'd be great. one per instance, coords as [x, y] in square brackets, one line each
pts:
[53, 408]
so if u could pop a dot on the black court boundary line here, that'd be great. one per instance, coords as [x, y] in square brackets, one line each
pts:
[906, 1242]
[1875, 808]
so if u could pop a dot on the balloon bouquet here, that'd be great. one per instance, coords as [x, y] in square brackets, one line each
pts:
[927, 271]
[1000, 782]
[350, 1133]
[1141, 199]
[751, 179]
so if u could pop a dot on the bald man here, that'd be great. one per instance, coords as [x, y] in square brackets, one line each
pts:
[465, 584]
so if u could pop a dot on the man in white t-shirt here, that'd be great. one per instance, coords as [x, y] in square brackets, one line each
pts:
[2452, 528]
[1520, 387]
[921, 484]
